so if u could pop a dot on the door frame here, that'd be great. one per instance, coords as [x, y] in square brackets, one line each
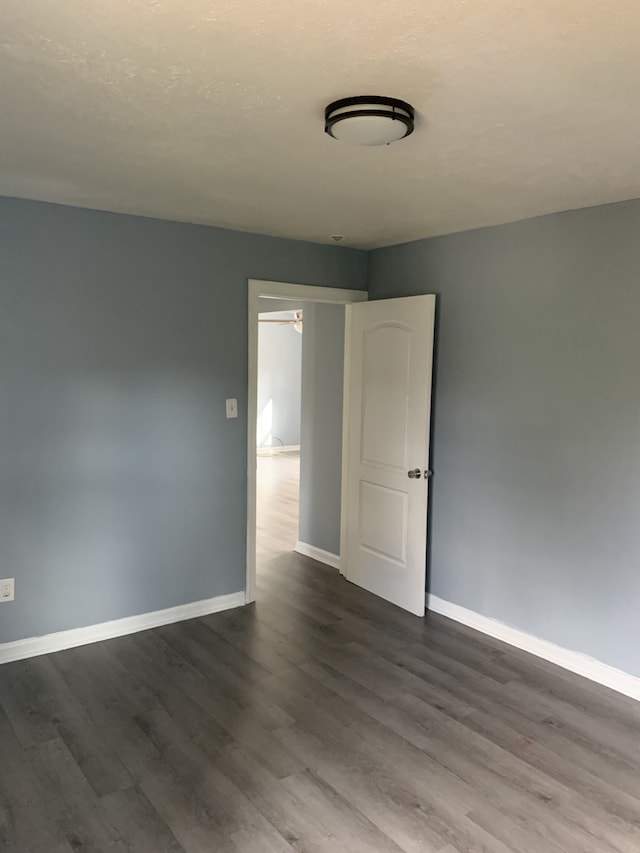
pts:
[275, 290]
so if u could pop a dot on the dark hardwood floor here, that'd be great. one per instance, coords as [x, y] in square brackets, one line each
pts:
[318, 719]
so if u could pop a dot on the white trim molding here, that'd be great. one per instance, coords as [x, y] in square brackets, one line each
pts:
[318, 554]
[275, 449]
[346, 402]
[576, 662]
[33, 646]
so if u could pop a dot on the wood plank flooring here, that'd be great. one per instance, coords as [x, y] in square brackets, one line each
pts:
[318, 719]
[278, 485]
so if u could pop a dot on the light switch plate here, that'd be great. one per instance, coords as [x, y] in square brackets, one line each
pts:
[232, 407]
[7, 590]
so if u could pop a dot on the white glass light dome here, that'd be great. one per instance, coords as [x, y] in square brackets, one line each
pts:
[369, 120]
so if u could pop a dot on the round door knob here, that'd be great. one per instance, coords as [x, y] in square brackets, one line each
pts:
[415, 474]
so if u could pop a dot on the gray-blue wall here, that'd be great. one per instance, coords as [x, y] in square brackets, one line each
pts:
[122, 485]
[321, 428]
[121, 482]
[279, 377]
[536, 445]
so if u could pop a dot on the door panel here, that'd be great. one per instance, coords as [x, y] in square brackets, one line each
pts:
[385, 540]
[389, 404]
[385, 395]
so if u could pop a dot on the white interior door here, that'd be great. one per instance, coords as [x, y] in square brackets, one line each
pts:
[387, 415]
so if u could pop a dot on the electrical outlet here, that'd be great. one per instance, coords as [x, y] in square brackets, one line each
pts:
[7, 590]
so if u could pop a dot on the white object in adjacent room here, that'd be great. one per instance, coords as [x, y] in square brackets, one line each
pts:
[388, 397]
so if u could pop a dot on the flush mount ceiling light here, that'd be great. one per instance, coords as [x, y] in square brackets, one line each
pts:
[369, 120]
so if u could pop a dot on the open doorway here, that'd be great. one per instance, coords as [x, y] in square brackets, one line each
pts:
[385, 437]
[287, 485]
[278, 428]
[299, 430]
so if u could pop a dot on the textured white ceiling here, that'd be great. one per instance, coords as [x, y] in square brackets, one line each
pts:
[212, 111]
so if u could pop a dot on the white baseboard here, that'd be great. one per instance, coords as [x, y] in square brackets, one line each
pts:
[33, 646]
[277, 448]
[576, 662]
[318, 554]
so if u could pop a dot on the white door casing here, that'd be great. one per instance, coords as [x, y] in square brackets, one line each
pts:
[387, 419]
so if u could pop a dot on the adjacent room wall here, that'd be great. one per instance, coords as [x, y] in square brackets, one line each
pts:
[321, 430]
[279, 369]
[536, 444]
[122, 485]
